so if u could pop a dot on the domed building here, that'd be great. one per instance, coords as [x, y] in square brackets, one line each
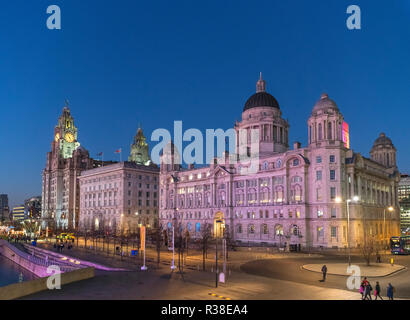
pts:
[383, 151]
[294, 198]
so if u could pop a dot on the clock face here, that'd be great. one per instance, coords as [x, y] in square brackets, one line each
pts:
[57, 137]
[69, 137]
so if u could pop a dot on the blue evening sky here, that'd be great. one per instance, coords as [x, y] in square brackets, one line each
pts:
[126, 62]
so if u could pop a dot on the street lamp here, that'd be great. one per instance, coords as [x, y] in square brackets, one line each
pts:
[390, 209]
[173, 239]
[339, 200]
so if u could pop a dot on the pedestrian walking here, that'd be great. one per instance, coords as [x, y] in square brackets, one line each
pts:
[377, 291]
[324, 271]
[361, 290]
[368, 292]
[390, 291]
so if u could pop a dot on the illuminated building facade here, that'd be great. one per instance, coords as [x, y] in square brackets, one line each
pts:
[291, 200]
[65, 161]
[19, 213]
[32, 208]
[118, 198]
[404, 201]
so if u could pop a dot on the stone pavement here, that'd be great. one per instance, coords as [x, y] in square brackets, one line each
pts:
[160, 283]
[374, 270]
[166, 285]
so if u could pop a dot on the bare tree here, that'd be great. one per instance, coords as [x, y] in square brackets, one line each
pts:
[205, 236]
[158, 234]
[368, 248]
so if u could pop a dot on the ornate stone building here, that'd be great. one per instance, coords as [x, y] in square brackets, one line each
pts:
[292, 198]
[139, 149]
[65, 161]
[120, 197]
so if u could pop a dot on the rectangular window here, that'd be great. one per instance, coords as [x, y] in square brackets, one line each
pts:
[332, 175]
[318, 159]
[318, 195]
[318, 175]
[319, 233]
[333, 213]
[333, 232]
[332, 159]
[332, 193]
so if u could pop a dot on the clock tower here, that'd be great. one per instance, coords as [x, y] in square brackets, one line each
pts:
[65, 134]
[65, 162]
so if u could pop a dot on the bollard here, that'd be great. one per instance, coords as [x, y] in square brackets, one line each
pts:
[392, 261]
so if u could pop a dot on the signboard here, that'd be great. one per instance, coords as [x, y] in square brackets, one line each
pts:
[142, 234]
[345, 135]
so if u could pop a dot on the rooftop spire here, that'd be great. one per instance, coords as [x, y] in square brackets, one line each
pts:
[261, 84]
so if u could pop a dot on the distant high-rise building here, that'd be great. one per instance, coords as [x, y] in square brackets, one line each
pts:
[18, 213]
[4, 204]
[404, 201]
[32, 207]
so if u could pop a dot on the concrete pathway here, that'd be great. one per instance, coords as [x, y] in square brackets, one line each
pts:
[374, 270]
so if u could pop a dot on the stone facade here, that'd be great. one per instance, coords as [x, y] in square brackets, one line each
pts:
[118, 198]
[65, 161]
[291, 199]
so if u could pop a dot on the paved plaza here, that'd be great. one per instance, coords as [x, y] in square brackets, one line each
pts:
[250, 275]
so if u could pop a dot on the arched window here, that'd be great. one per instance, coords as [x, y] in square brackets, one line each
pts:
[198, 227]
[320, 131]
[189, 226]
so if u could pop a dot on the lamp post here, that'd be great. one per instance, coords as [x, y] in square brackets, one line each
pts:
[173, 240]
[390, 209]
[339, 200]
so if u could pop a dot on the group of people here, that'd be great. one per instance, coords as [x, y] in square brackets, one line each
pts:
[19, 238]
[366, 290]
[59, 245]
